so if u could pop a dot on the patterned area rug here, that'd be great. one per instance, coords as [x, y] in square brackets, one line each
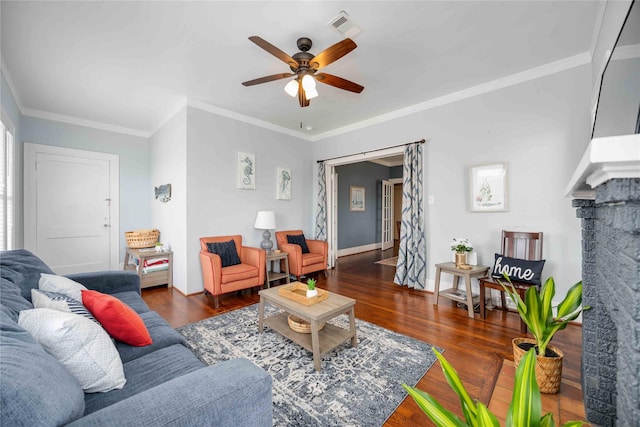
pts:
[388, 261]
[359, 386]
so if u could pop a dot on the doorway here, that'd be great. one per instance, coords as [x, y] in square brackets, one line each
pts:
[331, 191]
[71, 212]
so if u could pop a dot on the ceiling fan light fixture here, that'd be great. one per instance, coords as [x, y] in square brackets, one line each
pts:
[311, 93]
[308, 82]
[292, 88]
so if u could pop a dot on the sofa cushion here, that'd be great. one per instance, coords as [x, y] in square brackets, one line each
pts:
[79, 344]
[146, 372]
[310, 259]
[238, 272]
[61, 285]
[298, 239]
[227, 251]
[162, 335]
[37, 389]
[117, 318]
[44, 299]
[22, 268]
[12, 300]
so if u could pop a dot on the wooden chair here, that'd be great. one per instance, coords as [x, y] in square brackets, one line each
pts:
[515, 244]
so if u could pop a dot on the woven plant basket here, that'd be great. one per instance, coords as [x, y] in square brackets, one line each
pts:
[548, 369]
[302, 326]
[142, 238]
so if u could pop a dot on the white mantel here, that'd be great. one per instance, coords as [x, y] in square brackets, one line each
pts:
[605, 158]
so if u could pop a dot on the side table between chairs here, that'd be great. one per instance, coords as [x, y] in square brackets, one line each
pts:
[454, 294]
[272, 276]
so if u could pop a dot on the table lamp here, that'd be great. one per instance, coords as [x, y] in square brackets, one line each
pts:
[266, 220]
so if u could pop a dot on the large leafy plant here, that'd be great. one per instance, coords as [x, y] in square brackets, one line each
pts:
[525, 408]
[537, 311]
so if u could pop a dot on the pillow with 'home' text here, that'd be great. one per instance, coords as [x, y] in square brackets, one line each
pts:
[519, 270]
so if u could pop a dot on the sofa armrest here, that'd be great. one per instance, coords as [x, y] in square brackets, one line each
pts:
[232, 393]
[109, 282]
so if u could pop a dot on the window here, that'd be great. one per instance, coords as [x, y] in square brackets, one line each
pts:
[6, 187]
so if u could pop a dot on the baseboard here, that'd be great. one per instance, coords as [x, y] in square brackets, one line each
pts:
[359, 249]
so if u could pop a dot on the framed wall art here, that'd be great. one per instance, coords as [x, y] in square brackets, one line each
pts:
[488, 187]
[356, 198]
[246, 171]
[283, 179]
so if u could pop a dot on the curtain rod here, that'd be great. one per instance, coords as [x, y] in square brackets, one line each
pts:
[422, 141]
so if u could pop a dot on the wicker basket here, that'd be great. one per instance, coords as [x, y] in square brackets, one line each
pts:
[142, 238]
[302, 326]
[548, 369]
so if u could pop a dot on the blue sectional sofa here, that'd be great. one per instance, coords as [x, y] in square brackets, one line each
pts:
[165, 383]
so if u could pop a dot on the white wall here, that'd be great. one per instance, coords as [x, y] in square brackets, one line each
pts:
[168, 160]
[133, 152]
[539, 127]
[217, 207]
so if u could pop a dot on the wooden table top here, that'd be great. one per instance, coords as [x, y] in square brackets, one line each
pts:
[334, 304]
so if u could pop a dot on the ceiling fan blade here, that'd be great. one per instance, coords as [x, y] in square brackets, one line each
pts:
[275, 51]
[266, 79]
[302, 97]
[339, 82]
[332, 54]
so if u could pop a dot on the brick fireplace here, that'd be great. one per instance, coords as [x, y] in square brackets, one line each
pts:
[610, 216]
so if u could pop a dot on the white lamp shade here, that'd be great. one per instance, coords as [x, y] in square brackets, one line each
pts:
[265, 220]
[292, 88]
[308, 82]
[311, 93]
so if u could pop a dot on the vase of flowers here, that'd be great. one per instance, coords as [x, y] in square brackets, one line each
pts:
[461, 247]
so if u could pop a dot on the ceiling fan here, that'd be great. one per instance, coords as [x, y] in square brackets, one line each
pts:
[304, 65]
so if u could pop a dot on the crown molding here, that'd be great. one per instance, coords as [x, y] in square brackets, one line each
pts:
[244, 118]
[10, 83]
[511, 80]
[83, 122]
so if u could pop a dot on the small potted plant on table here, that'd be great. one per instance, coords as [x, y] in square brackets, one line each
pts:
[311, 288]
[461, 247]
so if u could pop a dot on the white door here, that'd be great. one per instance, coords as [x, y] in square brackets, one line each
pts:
[71, 208]
[387, 215]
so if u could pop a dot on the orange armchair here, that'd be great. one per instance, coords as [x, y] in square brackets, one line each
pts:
[301, 264]
[220, 280]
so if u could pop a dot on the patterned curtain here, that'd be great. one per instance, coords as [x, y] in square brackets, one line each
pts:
[411, 267]
[321, 215]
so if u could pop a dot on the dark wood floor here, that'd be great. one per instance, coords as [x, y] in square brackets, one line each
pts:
[475, 347]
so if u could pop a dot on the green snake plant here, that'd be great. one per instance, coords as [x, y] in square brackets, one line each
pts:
[525, 408]
[536, 310]
[311, 284]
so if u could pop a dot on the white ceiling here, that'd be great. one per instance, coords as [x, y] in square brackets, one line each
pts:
[131, 64]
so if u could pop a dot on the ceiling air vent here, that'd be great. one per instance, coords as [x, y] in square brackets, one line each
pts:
[344, 25]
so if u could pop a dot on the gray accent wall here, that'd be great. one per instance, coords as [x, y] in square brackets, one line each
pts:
[360, 228]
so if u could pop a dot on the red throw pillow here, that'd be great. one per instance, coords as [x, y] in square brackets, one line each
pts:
[117, 318]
